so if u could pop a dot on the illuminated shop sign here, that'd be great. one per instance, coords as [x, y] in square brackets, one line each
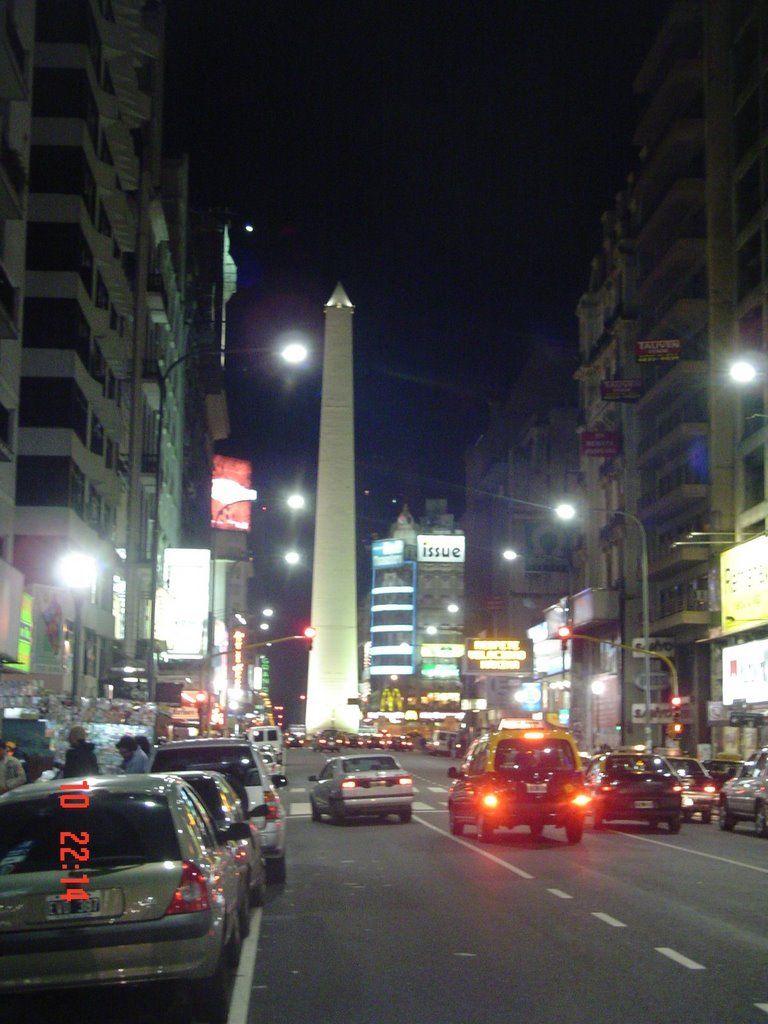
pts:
[484, 655]
[186, 573]
[436, 548]
[744, 584]
[442, 650]
[744, 673]
[387, 552]
[435, 670]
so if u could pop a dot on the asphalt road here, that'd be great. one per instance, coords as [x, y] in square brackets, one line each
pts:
[384, 923]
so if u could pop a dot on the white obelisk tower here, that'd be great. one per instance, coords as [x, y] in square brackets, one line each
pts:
[332, 677]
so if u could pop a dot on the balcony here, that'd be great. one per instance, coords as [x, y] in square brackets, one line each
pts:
[655, 448]
[157, 299]
[673, 560]
[679, 378]
[668, 501]
[8, 298]
[13, 179]
[683, 80]
[595, 606]
[683, 615]
[662, 270]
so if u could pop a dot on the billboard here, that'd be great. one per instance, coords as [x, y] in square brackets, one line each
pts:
[186, 573]
[744, 584]
[230, 479]
[434, 548]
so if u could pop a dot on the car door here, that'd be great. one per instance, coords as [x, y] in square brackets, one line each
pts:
[754, 785]
[324, 785]
[463, 792]
[219, 857]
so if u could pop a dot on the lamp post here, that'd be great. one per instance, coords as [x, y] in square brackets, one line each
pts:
[566, 511]
[293, 353]
[78, 572]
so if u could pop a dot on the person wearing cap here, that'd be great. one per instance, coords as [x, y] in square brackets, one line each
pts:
[12, 772]
[80, 759]
[135, 761]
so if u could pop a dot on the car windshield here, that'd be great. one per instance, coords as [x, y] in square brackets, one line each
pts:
[368, 764]
[636, 765]
[520, 754]
[122, 829]
[688, 766]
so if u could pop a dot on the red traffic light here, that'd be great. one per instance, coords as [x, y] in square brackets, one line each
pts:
[201, 697]
[677, 728]
[676, 702]
[309, 634]
[564, 632]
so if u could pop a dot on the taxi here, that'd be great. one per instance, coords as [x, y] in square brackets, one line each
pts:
[525, 773]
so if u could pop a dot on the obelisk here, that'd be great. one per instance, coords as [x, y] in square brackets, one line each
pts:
[332, 673]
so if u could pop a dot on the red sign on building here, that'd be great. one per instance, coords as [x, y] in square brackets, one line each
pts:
[657, 350]
[599, 444]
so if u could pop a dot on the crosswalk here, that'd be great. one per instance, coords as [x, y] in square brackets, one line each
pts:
[301, 808]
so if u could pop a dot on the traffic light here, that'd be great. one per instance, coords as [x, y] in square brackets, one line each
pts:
[310, 633]
[677, 725]
[565, 633]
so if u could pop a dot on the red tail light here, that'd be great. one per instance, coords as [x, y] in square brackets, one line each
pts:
[677, 789]
[709, 789]
[348, 784]
[273, 808]
[490, 800]
[582, 799]
[405, 780]
[192, 894]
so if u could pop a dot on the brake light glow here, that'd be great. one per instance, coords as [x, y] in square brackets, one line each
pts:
[490, 800]
[581, 799]
[534, 734]
[273, 808]
[348, 784]
[709, 789]
[677, 789]
[192, 894]
[405, 780]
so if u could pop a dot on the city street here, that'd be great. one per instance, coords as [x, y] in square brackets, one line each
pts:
[385, 923]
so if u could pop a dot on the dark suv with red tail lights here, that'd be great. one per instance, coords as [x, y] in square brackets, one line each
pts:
[527, 773]
[699, 790]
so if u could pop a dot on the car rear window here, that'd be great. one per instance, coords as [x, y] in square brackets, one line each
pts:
[368, 764]
[636, 766]
[122, 828]
[518, 754]
[688, 766]
[227, 759]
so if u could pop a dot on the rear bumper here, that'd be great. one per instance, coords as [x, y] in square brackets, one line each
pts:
[173, 948]
[557, 814]
[626, 810]
[377, 804]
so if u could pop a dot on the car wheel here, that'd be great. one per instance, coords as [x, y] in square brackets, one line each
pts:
[337, 813]
[276, 869]
[706, 817]
[235, 944]
[316, 815]
[211, 995]
[537, 830]
[457, 827]
[674, 823]
[484, 830]
[687, 815]
[406, 815]
[726, 820]
[761, 823]
[574, 830]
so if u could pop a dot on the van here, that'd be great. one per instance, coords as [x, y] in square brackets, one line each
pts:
[269, 738]
[443, 742]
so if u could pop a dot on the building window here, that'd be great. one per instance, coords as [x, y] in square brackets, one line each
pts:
[53, 402]
[56, 324]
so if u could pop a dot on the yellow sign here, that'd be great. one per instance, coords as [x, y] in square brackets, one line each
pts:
[497, 655]
[744, 583]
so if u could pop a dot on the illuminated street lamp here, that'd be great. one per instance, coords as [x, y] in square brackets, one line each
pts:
[292, 557]
[77, 571]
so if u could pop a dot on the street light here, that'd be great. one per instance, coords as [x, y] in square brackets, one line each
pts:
[567, 511]
[77, 571]
[292, 352]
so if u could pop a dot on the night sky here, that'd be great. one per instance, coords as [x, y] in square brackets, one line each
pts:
[448, 162]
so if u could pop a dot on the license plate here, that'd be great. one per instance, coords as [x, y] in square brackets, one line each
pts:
[687, 801]
[378, 782]
[643, 804]
[73, 908]
[536, 787]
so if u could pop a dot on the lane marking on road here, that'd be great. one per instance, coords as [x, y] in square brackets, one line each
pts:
[686, 849]
[679, 958]
[437, 789]
[465, 954]
[419, 806]
[560, 894]
[298, 789]
[300, 808]
[607, 919]
[241, 993]
[762, 1006]
[476, 849]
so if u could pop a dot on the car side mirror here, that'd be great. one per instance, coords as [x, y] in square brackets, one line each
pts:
[260, 811]
[237, 830]
[312, 778]
[454, 772]
[279, 780]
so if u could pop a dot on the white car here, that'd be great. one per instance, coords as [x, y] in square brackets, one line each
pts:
[361, 784]
[237, 759]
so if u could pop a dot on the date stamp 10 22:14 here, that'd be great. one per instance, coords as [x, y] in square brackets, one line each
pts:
[73, 846]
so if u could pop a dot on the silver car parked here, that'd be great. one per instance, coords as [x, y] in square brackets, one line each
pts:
[361, 784]
[745, 797]
[117, 880]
